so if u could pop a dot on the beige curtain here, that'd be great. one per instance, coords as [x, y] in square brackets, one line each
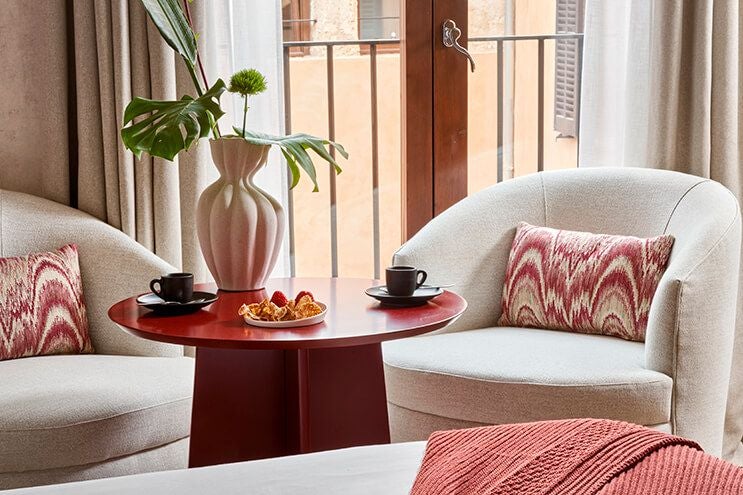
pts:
[35, 152]
[682, 65]
[661, 87]
[695, 90]
[119, 54]
[71, 67]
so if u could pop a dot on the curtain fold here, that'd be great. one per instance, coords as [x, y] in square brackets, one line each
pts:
[695, 110]
[685, 70]
[118, 55]
[33, 110]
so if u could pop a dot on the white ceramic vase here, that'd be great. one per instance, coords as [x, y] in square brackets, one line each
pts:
[240, 227]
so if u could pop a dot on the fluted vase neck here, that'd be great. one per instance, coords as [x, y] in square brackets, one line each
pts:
[237, 159]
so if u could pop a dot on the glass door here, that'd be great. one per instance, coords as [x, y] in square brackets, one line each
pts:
[422, 129]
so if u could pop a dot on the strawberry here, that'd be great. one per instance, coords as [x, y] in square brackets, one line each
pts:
[303, 293]
[279, 299]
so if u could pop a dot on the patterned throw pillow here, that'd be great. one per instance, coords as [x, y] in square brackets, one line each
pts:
[42, 310]
[582, 282]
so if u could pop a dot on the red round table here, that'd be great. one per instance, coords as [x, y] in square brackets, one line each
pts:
[269, 392]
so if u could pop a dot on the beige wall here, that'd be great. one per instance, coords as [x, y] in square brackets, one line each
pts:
[353, 130]
[486, 17]
[336, 20]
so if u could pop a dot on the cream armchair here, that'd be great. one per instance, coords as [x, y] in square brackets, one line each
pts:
[476, 373]
[125, 409]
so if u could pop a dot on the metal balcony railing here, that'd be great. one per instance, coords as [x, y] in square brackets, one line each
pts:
[540, 39]
[329, 45]
[373, 45]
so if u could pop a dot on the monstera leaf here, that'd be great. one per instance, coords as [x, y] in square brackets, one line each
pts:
[168, 17]
[294, 149]
[172, 126]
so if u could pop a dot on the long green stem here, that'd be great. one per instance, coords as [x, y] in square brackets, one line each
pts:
[198, 57]
[245, 113]
[194, 77]
[200, 92]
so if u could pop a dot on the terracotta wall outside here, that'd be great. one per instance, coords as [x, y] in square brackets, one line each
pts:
[354, 185]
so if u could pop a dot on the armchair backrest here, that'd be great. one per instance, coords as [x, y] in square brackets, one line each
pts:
[692, 319]
[112, 265]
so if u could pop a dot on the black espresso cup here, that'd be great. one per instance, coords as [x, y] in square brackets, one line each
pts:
[176, 287]
[403, 280]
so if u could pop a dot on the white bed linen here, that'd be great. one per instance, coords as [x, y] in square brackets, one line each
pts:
[377, 469]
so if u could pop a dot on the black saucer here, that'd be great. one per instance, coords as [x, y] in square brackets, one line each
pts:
[421, 296]
[156, 304]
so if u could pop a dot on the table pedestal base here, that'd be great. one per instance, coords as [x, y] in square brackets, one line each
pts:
[253, 404]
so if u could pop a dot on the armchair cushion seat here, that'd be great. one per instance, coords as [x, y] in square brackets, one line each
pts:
[506, 375]
[72, 410]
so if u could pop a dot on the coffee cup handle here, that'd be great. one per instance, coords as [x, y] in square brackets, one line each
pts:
[157, 292]
[421, 279]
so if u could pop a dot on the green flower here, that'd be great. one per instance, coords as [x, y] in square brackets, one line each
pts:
[247, 82]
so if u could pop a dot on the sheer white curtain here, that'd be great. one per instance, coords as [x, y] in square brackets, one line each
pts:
[241, 35]
[615, 84]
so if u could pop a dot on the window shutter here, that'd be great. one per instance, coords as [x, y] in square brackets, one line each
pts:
[567, 77]
[297, 24]
[370, 26]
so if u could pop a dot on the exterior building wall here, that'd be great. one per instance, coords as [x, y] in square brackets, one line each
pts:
[486, 17]
[336, 20]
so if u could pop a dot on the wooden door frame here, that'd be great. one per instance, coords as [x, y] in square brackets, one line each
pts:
[434, 111]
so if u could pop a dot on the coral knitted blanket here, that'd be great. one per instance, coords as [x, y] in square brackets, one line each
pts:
[584, 456]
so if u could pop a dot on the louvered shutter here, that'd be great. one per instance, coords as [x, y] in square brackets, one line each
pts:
[567, 76]
[370, 26]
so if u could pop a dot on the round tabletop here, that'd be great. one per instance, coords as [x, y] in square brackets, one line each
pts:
[353, 318]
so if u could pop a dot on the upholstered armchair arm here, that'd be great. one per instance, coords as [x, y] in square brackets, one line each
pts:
[468, 245]
[113, 266]
[691, 324]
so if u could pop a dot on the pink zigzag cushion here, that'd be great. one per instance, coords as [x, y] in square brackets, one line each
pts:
[582, 282]
[42, 310]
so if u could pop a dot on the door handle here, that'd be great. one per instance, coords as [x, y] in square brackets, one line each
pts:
[450, 36]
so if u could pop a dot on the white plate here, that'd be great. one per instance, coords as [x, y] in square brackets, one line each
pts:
[291, 323]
